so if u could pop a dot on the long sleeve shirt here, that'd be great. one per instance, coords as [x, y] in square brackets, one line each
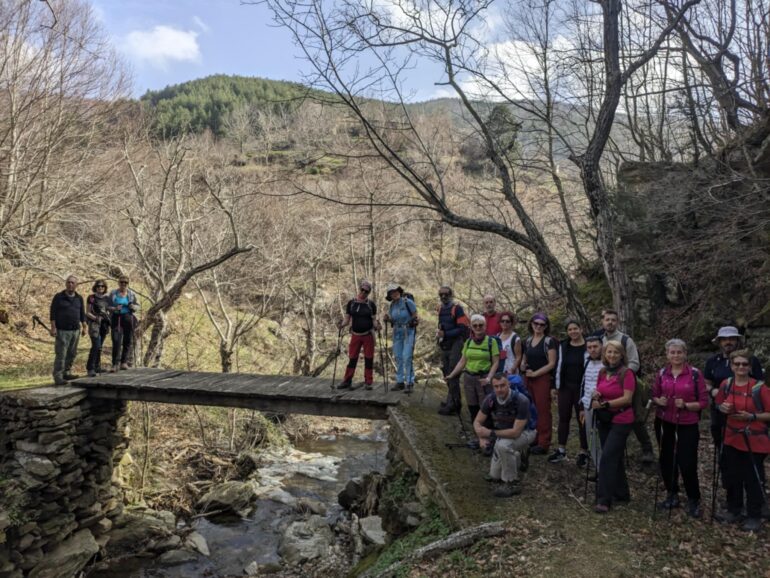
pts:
[68, 312]
[689, 386]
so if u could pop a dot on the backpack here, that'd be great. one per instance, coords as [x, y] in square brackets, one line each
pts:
[640, 401]
[623, 341]
[411, 308]
[517, 385]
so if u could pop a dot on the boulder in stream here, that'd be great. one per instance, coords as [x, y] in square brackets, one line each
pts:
[371, 528]
[306, 540]
[230, 497]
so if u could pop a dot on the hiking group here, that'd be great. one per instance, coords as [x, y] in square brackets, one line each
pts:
[102, 313]
[509, 384]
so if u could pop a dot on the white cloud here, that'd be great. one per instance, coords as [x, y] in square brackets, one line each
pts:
[205, 28]
[162, 45]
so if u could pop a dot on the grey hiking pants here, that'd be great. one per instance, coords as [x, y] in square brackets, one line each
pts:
[65, 349]
[506, 457]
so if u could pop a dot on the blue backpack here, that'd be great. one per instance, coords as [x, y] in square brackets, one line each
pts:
[517, 385]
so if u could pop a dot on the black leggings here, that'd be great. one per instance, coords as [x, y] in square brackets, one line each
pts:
[122, 337]
[686, 438]
[569, 402]
[613, 483]
[94, 362]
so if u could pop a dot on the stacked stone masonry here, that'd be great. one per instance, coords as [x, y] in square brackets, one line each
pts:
[57, 496]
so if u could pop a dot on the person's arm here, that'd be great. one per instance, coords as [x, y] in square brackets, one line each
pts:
[517, 353]
[375, 321]
[90, 312]
[478, 425]
[83, 325]
[632, 353]
[52, 314]
[495, 362]
[558, 366]
[458, 368]
[702, 402]
[458, 329]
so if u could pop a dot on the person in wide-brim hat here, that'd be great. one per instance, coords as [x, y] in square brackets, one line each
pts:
[726, 332]
[392, 288]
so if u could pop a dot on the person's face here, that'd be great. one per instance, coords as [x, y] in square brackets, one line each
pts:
[538, 327]
[612, 355]
[489, 304]
[395, 295]
[71, 284]
[364, 291]
[123, 284]
[728, 344]
[741, 366]
[101, 288]
[676, 355]
[479, 328]
[573, 331]
[506, 323]
[594, 349]
[444, 295]
[501, 388]
[610, 322]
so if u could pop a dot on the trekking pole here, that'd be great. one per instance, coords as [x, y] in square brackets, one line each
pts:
[387, 359]
[674, 473]
[717, 470]
[336, 356]
[746, 435]
[382, 362]
[588, 467]
[410, 369]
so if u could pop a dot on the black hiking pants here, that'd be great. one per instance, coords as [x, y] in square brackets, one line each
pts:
[613, 483]
[739, 476]
[450, 355]
[569, 403]
[686, 438]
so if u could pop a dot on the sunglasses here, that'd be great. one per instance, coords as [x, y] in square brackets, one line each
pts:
[443, 294]
[741, 363]
[539, 323]
[101, 286]
[506, 321]
[477, 325]
[365, 290]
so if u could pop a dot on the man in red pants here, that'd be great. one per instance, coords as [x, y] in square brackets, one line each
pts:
[361, 315]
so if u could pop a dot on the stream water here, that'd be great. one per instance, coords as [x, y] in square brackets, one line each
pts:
[235, 544]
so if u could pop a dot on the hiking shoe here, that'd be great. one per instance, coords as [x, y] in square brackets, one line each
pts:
[507, 489]
[752, 525]
[368, 386]
[671, 502]
[538, 451]
[91, 373]
[60, 382]
[648, 457]
[123, 366]
[399, 386]
[582, 460]
[557, 456]
[345, 385]
[727, 517]
[70, 376]
[693, 509]
[601, 508]
[491, 480]
[448, 409]
[473, 445]
[409, 388]
[524, 465]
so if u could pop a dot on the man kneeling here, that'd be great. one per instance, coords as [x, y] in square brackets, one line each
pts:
[510, 436]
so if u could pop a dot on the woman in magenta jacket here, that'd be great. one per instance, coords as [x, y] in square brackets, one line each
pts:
[614, 420]
[679, 395]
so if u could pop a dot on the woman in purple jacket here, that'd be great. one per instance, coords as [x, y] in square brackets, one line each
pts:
[679, 394]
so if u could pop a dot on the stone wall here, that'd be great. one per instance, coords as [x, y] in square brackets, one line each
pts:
[57, 496]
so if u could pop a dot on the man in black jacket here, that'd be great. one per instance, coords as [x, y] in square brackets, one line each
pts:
[68, 323]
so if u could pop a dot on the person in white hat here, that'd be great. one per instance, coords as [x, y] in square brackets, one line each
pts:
[718, 369]
[402, 313]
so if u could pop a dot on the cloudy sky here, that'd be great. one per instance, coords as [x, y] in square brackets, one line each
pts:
[171, 41]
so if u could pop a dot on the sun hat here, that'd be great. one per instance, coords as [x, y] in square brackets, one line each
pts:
[727, 331]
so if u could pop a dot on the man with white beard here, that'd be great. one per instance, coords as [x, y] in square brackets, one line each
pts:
[511, 434]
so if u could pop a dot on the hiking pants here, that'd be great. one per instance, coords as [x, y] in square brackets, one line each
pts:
[506, 457]
[97, 331]
[450, 355]
[643, 436]
[475, 394]
[65, 350]
[592, 435]
[739, 476]
[569, 403]
[613, 483]
[403, 348]
[686, 438]
[354, 350]
[540, 390]
[122, 337]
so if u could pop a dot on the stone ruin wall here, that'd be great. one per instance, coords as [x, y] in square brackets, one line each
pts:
[58, 499]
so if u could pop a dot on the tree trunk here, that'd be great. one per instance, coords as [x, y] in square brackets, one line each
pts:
[157, 338]
[226, 356]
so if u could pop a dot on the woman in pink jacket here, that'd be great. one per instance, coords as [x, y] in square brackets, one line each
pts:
[679, 394]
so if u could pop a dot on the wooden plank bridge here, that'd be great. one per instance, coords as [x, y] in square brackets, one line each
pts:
[271, 393]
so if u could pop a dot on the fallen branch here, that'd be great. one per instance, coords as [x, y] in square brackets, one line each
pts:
[454, 541]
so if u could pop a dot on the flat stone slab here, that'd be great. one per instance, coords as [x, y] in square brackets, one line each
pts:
[62, 395]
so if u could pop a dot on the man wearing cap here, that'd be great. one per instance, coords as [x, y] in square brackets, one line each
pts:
[402, 313]
[361, 315]
[718, 369]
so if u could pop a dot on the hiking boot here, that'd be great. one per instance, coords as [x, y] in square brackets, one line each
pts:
[409, 388]
[507, 489]
[345, 385]
[368, 386]
[693, 509]
[113, 369]
[727, 517]
[601, 508]
[448, 409]
[91, 373]
[752, 525]
[60, 382]
[124, 366]
[524, 465]
[70, 376]
[671, 502]
[538, 451]
[557, 456]
[582, 460]
[648, 457]
[399, 386]
[491, 480]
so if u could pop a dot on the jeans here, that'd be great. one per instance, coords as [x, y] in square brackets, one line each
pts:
[65, 350]
[686, 438]
[613, 483]
[403, 348]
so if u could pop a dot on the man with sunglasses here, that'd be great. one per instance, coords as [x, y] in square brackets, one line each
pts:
[361, 315]
[453, 326]
[68, 323]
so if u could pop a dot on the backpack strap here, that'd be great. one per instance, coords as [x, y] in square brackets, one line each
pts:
[694, 373]
[756, 396]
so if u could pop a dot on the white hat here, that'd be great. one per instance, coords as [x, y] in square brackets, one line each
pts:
[392, 287]
[727, 331]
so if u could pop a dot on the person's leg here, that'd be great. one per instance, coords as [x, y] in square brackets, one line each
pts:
[577, 405]
[612, 478]
[564, 405]
[622, 490]
[472, 387]
[754, 498]
[687, 460]
[93, 353]
[59, 348]
[399, 339]
[368, 345]
[733, 479]
[128, 339]
[411, 335]
[540, 390]
[73, 338]
[354, 350]
[104, 329]
[509, 453]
